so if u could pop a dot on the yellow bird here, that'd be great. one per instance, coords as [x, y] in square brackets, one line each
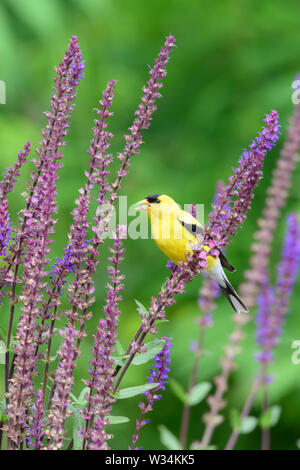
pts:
[174, 232]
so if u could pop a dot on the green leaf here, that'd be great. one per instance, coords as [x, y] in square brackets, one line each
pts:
[119, 348]
[168, 439]
[141, 307]
[178, 391]
[133, 391]
[75, 401]
[242, 425]
[235, 420]
[198, 393]
[117, 419]
[120, 361]
[82, 400]
[2, 352]
[270, 417]
[77, 421]
[153, 348]
[248, 424]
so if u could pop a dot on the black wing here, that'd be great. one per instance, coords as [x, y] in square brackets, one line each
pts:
[194, 229]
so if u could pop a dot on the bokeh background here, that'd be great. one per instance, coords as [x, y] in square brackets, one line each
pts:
[235, 61]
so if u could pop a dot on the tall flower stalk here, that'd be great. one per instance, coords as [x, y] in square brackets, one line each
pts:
[7, 185]
[277, 195]
[55, 432]
[101, 382]
[234, 200]
[37, 424]
[34, 229]
[6, 252]
[21, 386]
[273, 307]
[144, 113]
[159, 375]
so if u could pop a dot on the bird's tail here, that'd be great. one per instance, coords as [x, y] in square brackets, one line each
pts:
[234, 300]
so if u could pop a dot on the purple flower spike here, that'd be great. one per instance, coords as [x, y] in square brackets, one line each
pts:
[5, 229]
[64, 380]
[7, 186]
[158, 374]
[84, 255]
[49, 153]
[234, 200]
[160, 369]
[38, 231]
[65, 84]
[287, 269]
[273, 303]
[264, 324]
[101, 370]
[10, 176]
[276, 198]
[145, 111]
[37, 429]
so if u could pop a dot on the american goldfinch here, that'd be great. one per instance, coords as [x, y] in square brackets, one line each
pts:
[174, 232]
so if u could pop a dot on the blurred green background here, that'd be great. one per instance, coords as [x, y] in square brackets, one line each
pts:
[235, 61]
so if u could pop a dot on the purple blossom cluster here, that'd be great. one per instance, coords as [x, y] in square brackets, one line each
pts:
[85, 255]
[266, 301]
[273, 302]
[145, 111]
[37, 428]
[276, 198]
[37, 226]
[12, 174]
[21, 385]
[5, 229]
[160, 370]
[159, 374]
[101, 370]
[273, 306]
[234, 200]
[7, 186]
[66, 261]
[55, 431]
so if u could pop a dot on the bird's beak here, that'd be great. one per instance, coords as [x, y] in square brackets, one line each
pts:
[142, 205]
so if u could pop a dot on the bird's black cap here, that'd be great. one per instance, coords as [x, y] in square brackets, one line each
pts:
[153, 198]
